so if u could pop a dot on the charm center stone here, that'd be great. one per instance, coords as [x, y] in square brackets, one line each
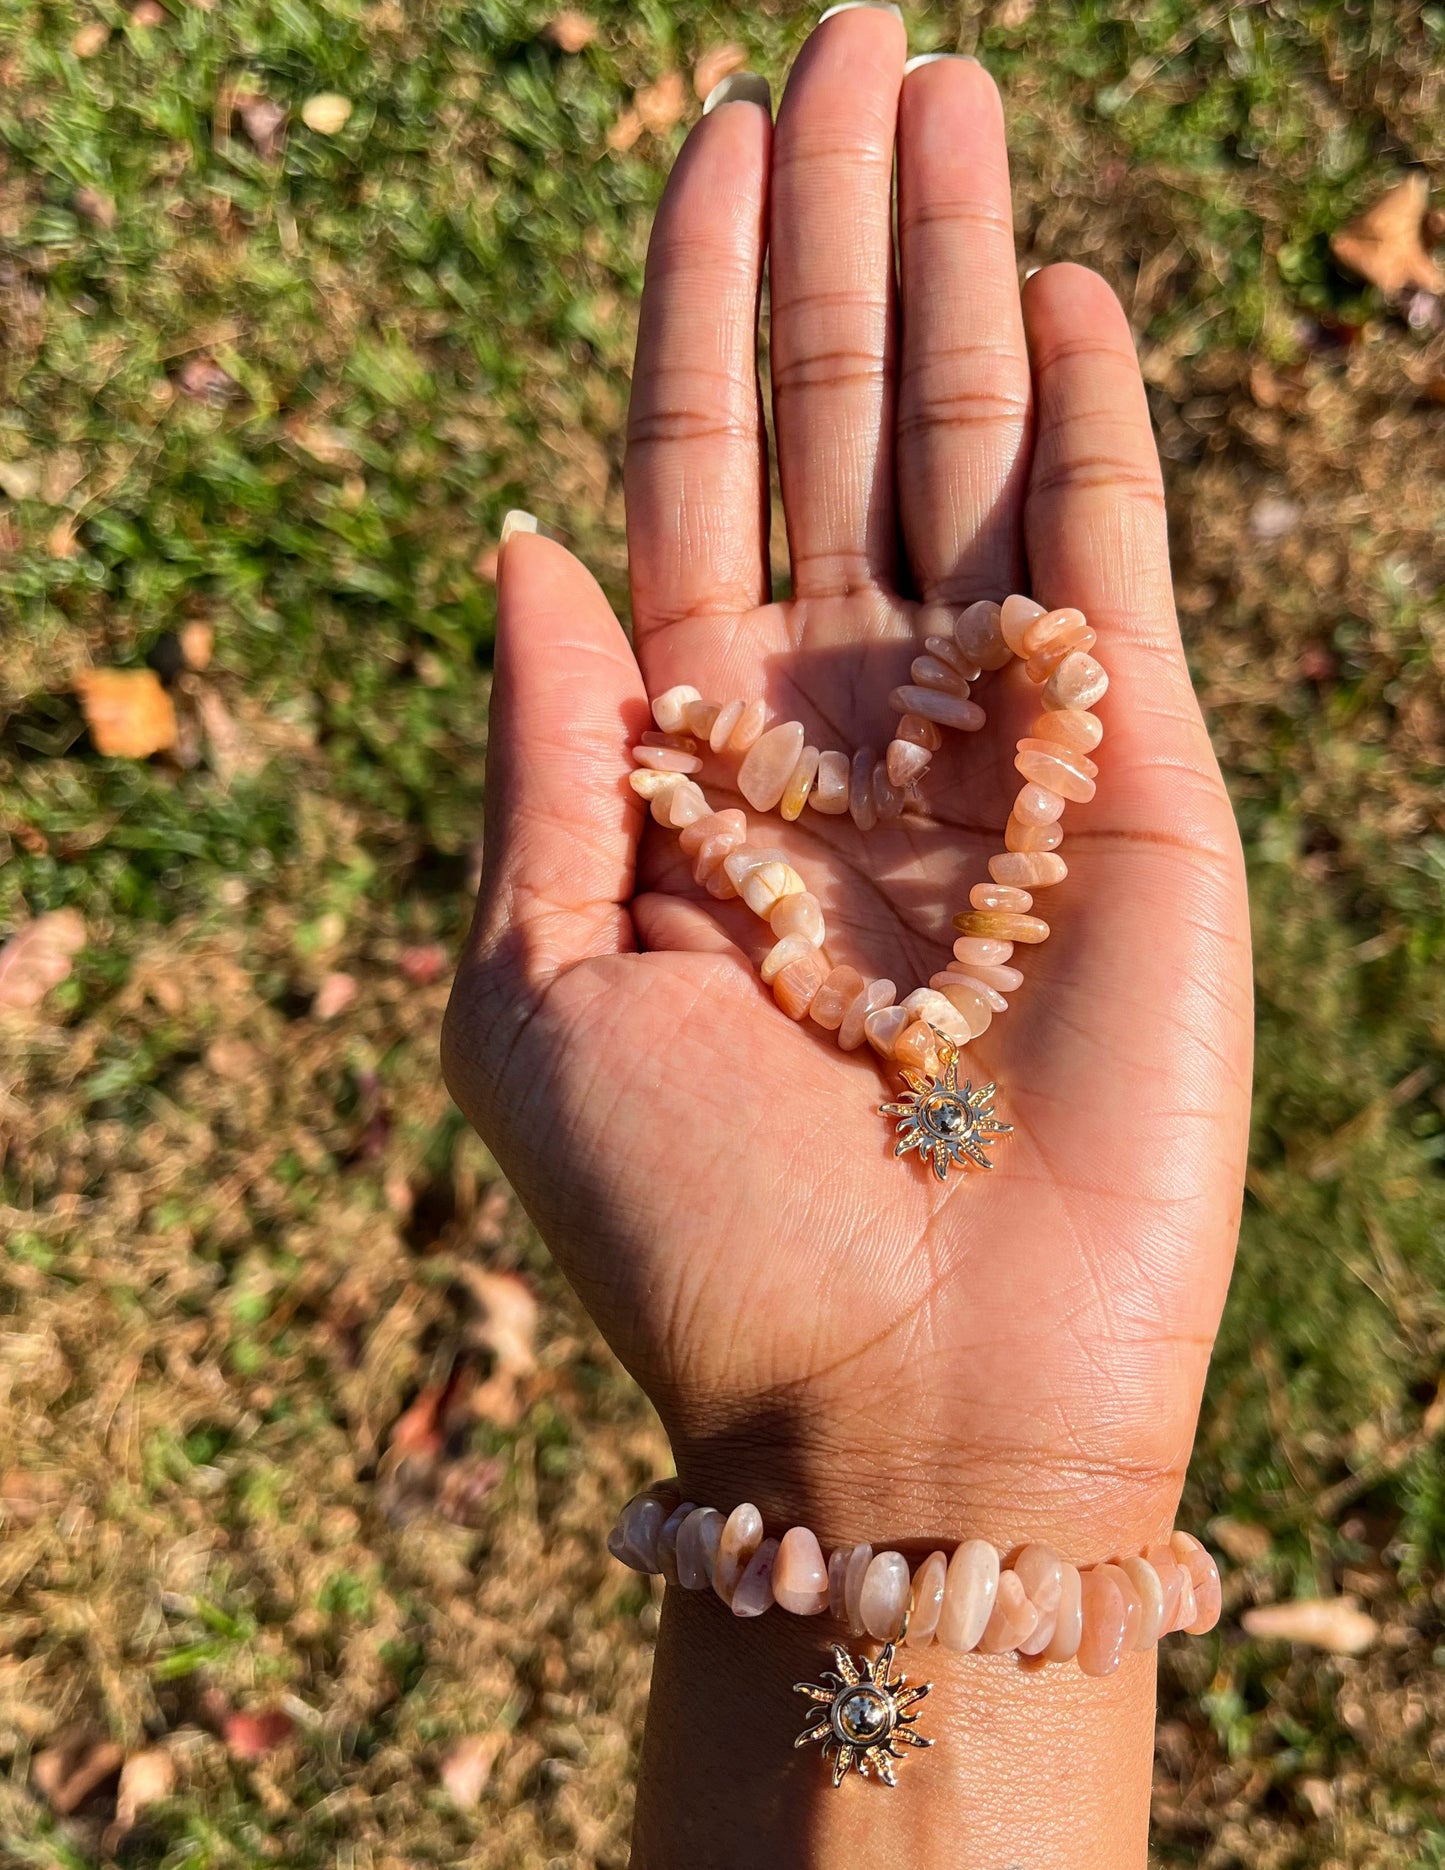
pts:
[863, 1715]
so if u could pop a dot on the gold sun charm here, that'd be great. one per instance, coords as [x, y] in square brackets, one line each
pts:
[944, 1124]
[861, 1715]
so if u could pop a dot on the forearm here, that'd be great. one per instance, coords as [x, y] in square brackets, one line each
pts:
[1031, 1767]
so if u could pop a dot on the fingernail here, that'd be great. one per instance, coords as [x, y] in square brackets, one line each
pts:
[932, 58]
[849, 5]
[740, 87]
[517, 521]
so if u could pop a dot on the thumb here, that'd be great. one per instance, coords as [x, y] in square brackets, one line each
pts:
[561, 823]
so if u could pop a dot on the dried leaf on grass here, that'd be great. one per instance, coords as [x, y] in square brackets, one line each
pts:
[657, 108]
[230, 751]
[335, 996]
[507, 1328]
[145, 1779]
[96, 206]
[39, 956]
[203, 380]
[250, 1734]
[129, 714]
[1386, 244]
[717, 63]
[263, 120]
[197, 641]
[20, 480]
[75, 1768]
[662, 104]
[326, 113]
[571, 31]
[1333, 1623]
[90, 39]
[468, 1766]
[424, 963]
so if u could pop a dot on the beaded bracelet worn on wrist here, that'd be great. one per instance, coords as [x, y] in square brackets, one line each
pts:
[1030, 1601]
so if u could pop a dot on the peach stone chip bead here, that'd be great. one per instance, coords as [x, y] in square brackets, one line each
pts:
[1063, 1645]
[742, 1534]
[917, 1048]
[1040, 1571]
[1147, 1588]
[1060, 770]
[800, 914]
[948, 710]
[859, 1559]
[1133, 1604]
[1204, 1576]
[979, 635]
[1173, 1581]
[861, 802]
[697, 1547]
[800, 1578]
[1017, 836]
[925, 1606]
[800, 784]
[1078, 682]
[671, 1527]
[634, 1539]
[1101, 1647]
[754, 1593]
[1002, 925]
[1070, 727]
[885, 1028]
[795, 987]
[783, 954]
[883, 1597]
[830, 788]
[1037, 870]
[833, 999]
[1015, 615]
[969, 1592]
[999, 896]
[750, 724]
[874, 997]
[669, 710]
[724, 722]
[1014, 1618]
[768, 764]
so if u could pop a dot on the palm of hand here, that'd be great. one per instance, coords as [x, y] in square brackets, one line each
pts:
[718, 1182]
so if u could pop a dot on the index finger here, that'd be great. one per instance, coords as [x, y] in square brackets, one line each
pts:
[696, 473]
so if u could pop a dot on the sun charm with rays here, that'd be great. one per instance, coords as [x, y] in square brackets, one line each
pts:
[860, 1715]
[944, 1124]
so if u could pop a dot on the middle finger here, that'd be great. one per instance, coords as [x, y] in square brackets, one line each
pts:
[831, 263]
[964, 406]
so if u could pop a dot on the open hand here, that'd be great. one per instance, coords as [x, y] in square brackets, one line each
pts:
[827, 1330]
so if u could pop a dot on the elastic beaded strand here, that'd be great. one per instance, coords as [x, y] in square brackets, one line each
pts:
[1033, 1603]
[778, 770]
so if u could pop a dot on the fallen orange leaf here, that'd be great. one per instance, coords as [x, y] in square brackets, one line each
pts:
[1333, 1623]
[1386, 244]
[661, 105]
[39, 956]
[129, 714]
[571, 31]
[717, 63]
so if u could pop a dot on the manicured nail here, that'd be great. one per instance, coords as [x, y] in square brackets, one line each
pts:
[740, 87]
[932, 58]
[517, 521]
[849, 5]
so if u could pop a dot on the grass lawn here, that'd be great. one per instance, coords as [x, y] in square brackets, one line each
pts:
[283, 384]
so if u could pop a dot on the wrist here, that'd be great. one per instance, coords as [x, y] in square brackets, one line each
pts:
[1029, 1768]
[920, 1493]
